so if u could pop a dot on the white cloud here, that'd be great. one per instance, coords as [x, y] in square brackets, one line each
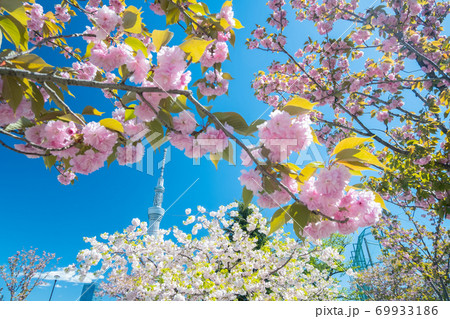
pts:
[69, 276]
[43, 284]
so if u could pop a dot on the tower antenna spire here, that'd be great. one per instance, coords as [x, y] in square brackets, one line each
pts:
[156, 213]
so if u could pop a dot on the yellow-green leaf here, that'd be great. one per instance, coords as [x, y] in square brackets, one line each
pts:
[14, 32]
[215, 158]
[132, 21]
[71, 118]
[356, 166]
[227, 4]
[161, 38]
[137, 45]
[298, 106]
[315, 139]
[32, 62]
[20, 15]
[379, 200]
[237, 24]
[197, 8]
[89, 110]
[112, 124]
[279, 219]
[350, 142]
[195, 47]
[362, 156]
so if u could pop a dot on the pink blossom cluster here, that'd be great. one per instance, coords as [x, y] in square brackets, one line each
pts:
[8, 116]
[156, 8]
[133, 127]
[360, 36]
[227, 13]
[110, 58]
[170, 73]
[106, 20]
[139, 66]
[88, 162]
[99, 137]
[62, 13]
[326, 194]
[53, 134]
[85, 70]
[37, 19]
[216, 52]
[185, 122]
[216, 84]
[282, 135]
[117, 5]
[66, 177]
[212, 140]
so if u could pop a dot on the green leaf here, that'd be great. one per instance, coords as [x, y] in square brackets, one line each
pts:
[21, 124]
[247, 196]
[37, 100]
[156, 136]
[279, 219]
[253, 127]
[56, 94]
[350, 142]
[49, 161]
[298, 106]
[235, 120]
[228, 154]
[111, 158]
[11, 5]
[161, 38]
[227, 76]
[174, 106]
[137, 45]
[12, 92]
[132, 21]
[112, 124]
[89, 110]
[173, 16]
[32, 62]
[301, 216]
[71, 118]
[20, 15]
[195, 47]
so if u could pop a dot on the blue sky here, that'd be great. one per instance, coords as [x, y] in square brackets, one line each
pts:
[37, 211]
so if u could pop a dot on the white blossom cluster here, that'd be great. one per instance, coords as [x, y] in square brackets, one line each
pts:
[217, 266]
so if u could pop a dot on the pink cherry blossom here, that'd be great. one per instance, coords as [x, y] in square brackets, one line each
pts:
[99, 137]
[251, 180]
[185, 122]
[106, 21]
[88, 162]
[66, 177]
[139, 66]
